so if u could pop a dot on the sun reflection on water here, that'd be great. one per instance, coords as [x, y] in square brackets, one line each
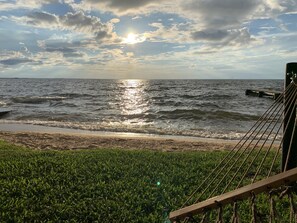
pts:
[133, 102]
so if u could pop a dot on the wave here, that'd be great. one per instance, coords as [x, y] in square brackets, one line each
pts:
[74, 95]
[205, 114]
[217, 96]
[146, 129]
[3, 104]
[187, 96]
[212, 105]
[168, 103]
[62, 104]
[35, 99]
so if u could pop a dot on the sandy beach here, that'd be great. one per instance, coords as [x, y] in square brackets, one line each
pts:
[37, 137]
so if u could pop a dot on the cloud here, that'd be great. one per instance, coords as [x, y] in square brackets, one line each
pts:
[174, 33]
[119, 7]
[210, 35]
[89, 24]
[273, 8]
[15, 58]
[15, 61]
[59, 45]
[115, 20]
[7, 5]
[220, 13]
[66, 52]
[75, 22]
[216, 39]
[42, 19]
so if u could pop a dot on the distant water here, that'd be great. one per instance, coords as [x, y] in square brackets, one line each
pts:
[200, 108]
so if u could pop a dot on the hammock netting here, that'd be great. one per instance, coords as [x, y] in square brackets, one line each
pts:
[261, 158]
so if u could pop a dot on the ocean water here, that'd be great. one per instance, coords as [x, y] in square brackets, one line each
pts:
[199, 108]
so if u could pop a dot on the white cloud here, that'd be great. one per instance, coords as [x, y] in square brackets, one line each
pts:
[78, 22]
[118, 7]
[7, 5]
[115, 20]
[175, 33]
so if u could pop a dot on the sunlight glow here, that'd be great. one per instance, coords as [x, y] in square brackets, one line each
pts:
[133, 38]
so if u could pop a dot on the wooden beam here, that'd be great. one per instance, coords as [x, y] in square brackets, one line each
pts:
[275, 181]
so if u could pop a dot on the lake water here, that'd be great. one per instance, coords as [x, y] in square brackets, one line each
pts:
[199, 108]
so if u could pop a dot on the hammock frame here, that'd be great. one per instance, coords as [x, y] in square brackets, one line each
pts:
[269, 122]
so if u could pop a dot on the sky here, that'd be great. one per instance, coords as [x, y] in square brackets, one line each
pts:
[147, 39]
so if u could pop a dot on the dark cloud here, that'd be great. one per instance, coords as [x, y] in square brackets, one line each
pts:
[62, 50]
[289, 6]
[220, 21]
[80, 20]
[124, 5]
[15, 61]
[210, 35]
[73, 54]
[66, 51]
[218, 13]
[37, 18]
[90, 24]
[221, 38]
[102, 34]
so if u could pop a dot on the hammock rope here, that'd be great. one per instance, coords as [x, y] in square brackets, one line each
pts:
[273, 216]
[234, 151]
[205, 217]
[292, 98]
[285, 132]
[254, 209]
[220, 215]
[249, 161]
[264, 127]
[235, 216]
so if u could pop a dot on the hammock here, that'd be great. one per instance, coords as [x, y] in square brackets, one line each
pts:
[262, 162]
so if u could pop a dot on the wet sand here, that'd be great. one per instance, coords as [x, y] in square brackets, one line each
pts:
[37, 137]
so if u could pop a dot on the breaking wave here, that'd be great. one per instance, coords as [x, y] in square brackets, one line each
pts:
[36, 100]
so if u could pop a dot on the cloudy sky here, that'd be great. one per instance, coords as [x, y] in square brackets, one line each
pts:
[147, 39]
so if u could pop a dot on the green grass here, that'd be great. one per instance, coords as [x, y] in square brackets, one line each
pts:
[89, 185]
[98, 185]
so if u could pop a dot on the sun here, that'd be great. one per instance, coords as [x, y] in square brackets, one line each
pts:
[131, 38]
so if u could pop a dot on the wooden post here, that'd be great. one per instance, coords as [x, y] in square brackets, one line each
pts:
[292, 162]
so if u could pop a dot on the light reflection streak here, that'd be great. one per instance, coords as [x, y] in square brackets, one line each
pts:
[132, 101]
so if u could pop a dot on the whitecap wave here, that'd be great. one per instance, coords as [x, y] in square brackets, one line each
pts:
[36, 100]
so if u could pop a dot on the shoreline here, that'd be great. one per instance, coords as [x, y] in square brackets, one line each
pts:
[41, 137]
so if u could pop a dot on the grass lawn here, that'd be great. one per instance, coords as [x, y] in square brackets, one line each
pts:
[98, 185]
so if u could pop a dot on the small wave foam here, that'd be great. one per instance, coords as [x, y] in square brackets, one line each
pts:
[205, 114]
[3, 104]
[147, 129]
[36, 100]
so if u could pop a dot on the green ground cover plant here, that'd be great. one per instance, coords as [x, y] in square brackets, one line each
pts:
[103, 185]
